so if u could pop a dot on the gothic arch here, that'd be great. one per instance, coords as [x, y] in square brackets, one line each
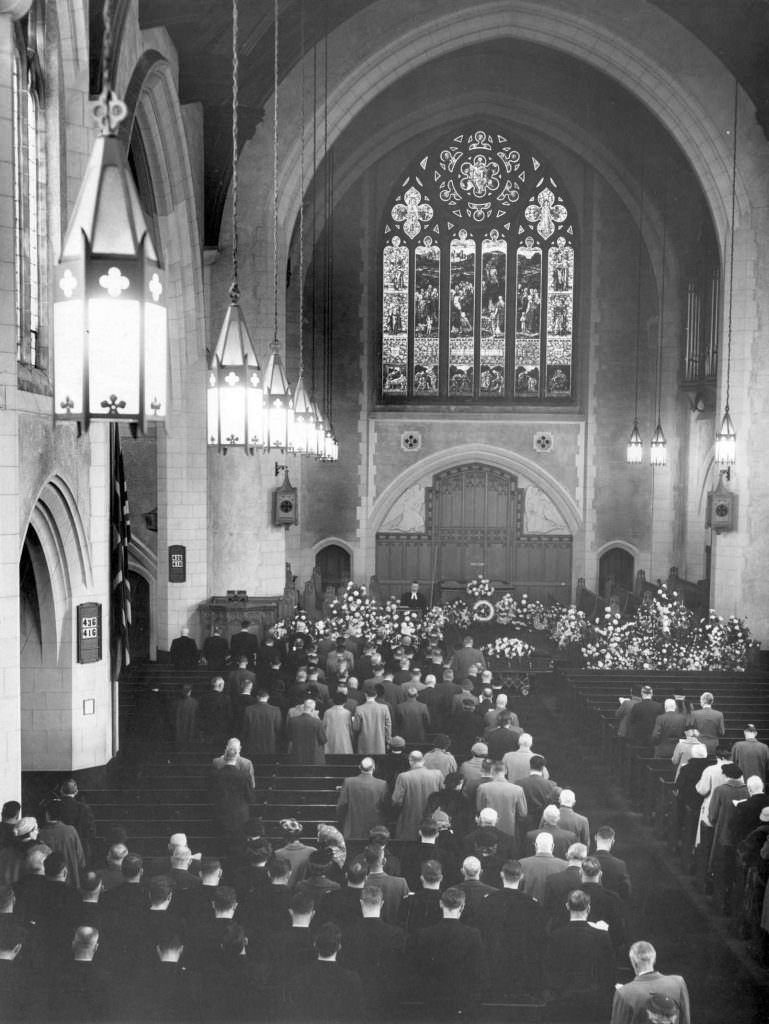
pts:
[499, 458]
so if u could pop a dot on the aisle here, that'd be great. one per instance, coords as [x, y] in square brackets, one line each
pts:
[666, 911]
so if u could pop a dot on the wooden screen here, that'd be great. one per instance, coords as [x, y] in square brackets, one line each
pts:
[473, 523]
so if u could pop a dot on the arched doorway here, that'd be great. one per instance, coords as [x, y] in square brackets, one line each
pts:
[333, 563]
[615, 571]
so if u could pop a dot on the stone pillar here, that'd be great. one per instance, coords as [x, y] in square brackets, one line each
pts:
[10, 699]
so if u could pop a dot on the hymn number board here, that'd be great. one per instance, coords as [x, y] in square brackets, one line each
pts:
[88, 632]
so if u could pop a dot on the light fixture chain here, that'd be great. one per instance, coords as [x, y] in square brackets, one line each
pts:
[638, 296]
[275, 177]
[731, 245]
[662, 297]
[235, 290]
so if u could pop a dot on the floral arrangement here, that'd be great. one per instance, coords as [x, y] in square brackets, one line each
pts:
[523, 613]
[663, 635]
[480, 587]
[457, 613]
[356, 611]
[483, 610]
[571, 627]
[509, 647]
[434, 621]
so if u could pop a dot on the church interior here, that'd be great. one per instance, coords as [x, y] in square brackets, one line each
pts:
[433, 291]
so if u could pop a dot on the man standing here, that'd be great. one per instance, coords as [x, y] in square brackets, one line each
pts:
[466, 656]
[231, 797]
[578, 967]
[216, 651]
[633, 997]
[214, 711]
[361, 804]
[503, 737]
[63, 839]
[337, 722]
[537, 868]
[76, 812]
[412, 788]
[306, 736]
[506, 798]
[413, 599]
[412, 719]
[262, 726]
[373, 725]
[244, 643]
[241, 763]
[708, 722]
[751, 755]
[539, 790]
[641, 718]
[451, 961]
[615, 874]
[570, 819]
[668, 729]
[184, 651]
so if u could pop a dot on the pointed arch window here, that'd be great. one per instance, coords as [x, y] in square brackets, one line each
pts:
[28, 193]
[478, 267]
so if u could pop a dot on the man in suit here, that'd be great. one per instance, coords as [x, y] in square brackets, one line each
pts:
[470, 770]
[722, 817]
[216, 651]
[466, 656]
[512, 927]
[551, 822]
[633, 997]
[668, 729]
[306, 736]
[231, 796]
[750, 754]
[76, 812]
[570, 819]
[324, 991]
[558, 886]
[262, 726]
[243, 764]
[503, 737]
[184, 651]
[411, 598]
[474, 889]
[244, 644]
[641, 718]
[410, 793]
[708, 722]
[422, 907]
[373, 725]
[538, 790]
[506, 798]
[412, 719]
[373, 948]
[578, 967]
[537, 868]
[450, 960]
[394, 887]
[215, 711]
[362, 802]
[614, 870]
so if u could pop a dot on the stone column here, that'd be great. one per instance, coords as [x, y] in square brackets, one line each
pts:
[10, 699]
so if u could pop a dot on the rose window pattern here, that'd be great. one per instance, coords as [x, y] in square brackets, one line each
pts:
[478, 272]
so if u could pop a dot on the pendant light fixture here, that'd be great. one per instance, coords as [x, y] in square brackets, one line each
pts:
[635, 448]
[110, 325]
[329, 449]
[726, 439]
[278, 402]
[658, 445]
[302, 428]
[235, 394]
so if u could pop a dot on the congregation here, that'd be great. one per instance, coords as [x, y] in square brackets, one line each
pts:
[452, 880]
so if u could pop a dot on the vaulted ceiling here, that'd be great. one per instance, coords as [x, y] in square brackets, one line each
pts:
[737, 32]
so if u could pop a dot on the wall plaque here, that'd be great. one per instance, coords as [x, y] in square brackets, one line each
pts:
[177, 564]
[88, 632]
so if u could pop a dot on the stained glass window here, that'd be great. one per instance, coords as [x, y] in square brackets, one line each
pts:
[27, 192]
[477, 228]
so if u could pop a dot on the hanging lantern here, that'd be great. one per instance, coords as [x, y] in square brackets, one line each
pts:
[235, 394]
[302, 428]
[726, 441]
[109, 317]
[278, 405]
[635, 448]
[658, 448]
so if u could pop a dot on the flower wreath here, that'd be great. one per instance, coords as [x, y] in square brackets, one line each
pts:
[483, 610]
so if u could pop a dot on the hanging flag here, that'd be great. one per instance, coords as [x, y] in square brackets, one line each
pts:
[120, 524]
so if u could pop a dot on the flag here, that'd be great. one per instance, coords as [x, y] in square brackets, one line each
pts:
[120, 538]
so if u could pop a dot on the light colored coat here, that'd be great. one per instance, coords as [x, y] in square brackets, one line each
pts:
[373, 725]
[412, 788]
